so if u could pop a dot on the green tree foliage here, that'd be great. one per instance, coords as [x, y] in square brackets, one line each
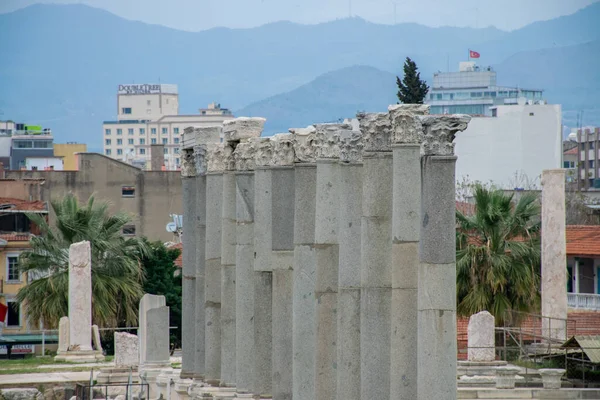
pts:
[161, 279]
[498, 254]
[116, 273]
[411, 89]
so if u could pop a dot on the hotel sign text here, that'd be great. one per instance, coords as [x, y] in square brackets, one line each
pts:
[139, 89]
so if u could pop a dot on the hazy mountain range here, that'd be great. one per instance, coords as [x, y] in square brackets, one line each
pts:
[60, 65]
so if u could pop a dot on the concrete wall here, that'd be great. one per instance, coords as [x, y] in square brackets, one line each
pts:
[43, 163]
[147, 106]
[157, 193]
[522, 140]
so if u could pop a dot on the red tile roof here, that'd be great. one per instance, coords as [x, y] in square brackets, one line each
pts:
[15, 237]
[583, 240]
[8, 203]
[179, 260]
[573, 151]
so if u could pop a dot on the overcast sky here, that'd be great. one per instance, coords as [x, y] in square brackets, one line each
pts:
[194, 15]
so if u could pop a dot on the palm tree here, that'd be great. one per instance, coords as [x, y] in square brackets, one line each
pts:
[116, 272]
[498, 254]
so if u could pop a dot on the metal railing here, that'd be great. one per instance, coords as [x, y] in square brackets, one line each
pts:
[586, 301]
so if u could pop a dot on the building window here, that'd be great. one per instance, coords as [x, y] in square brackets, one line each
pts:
[128, 191]
[142, 141]
[176, 131]
[130, 131]
[129, 230]
[153, 131]
[119, 152]
[126, 110]
[165, 131]
[142, 131]
[176, 150]
[177, 161]
[129, 141]
[108, 151]
[165, 140]
[13, 314]
[569, 164]
[591, 164]
[591, 145]
[153, 141]
[107, 131]
[12, 267]
[142, 151]
[166, 150]
[119, 141]
[176, 140]
[119, 131]
[107, 141]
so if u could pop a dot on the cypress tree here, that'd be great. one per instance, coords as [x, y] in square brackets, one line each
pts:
[411, 89]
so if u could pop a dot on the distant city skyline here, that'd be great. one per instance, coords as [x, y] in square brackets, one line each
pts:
[195, 15]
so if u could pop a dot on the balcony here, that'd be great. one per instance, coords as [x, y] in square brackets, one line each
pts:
[584, 301]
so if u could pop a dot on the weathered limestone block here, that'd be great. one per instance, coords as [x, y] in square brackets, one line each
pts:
[304, 144]
[80, 296]
[63, 335]
[406, 127]
[157, 336]
[506, 377]
[327, 139]
[283, 149]
[551, 377]
[216, 161]
[244, 155]
[351, 147]
[376, 129]
[188, 163]
[147, 303]
[208, 134]
[21, 394]
[126, 350]
[480, 333]
[242, 128]
[440, 131]
[263, 151]
[201, 158]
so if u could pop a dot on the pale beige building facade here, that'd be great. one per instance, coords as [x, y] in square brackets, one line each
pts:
[149, 114]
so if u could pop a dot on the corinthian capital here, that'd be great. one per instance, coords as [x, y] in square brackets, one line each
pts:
[201, 158]
[439, 132]
[216, 157]
[188, 164]
[327, 139]
[263, 151]
[351, 147]
[305, 149]
[406, 125]
[376, 129]
[244, 156]
[283, 149]
[242, 128]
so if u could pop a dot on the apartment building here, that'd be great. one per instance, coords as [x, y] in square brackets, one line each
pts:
[588, 166]
[149, 114]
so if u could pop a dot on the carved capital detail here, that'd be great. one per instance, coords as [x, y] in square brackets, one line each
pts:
[406, 124]
[305, 149]
[216, 157]
[351, 147]
[283, 149]
[327, 139]
[245, 155]
[242, 128]
[188, 163]
[439, 133]
[201, 158]
[263, 151]
[376, 129]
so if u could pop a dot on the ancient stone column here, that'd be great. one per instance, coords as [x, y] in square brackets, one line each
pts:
[188, 324]
[554, 253]
[263, 271]
[437, 252]
[327, 256]
[240, 130]
[214, 198]
[376, 260]
[407, 135]
[200, 153]
[348, 311]
[304, 273]
[80, 297]
[480, 336]
[224, 152]
[282, 261]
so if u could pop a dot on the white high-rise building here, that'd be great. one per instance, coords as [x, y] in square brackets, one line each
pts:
[148, 114]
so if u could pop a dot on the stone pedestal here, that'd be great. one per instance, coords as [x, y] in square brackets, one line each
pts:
[181, 388]
[480, 336]
[554, 255]
[506, 377]
[228, 295]
[214, 196]
[551, 377]
[304, 275]
[188, 325]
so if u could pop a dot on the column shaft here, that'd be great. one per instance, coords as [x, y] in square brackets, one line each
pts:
[200, 246]
[244, 282]
[437, 281]
[348, 316]
[304, 275]
[282, 260]
[214, 196]
[228, 295]
[326, 290]
[376, 296]
[188, 325]
[406, 221]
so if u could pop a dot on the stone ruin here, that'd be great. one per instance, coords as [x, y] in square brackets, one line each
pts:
[320, 264]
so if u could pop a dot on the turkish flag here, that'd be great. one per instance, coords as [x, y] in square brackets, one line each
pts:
[473, 54]
[3, 311]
